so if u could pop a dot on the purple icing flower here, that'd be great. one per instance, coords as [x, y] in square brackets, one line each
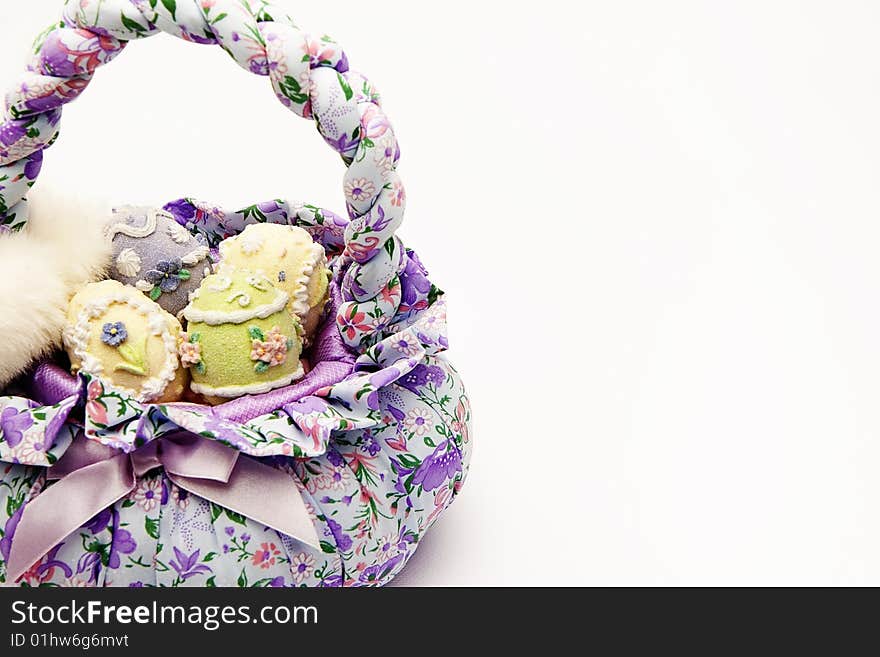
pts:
[13, 424]
[439, 467]
[114, 334]
[167, 275]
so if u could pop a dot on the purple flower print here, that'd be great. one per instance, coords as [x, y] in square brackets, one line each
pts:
[187, 565]
[88, 563]
[335, 458]
[182, 210]
[33, 165]
[343, 540]
[13, 424]
[99, 522]
[370, 445]
[396, 413]
[12, 131]
[379, 572]
[55, 61]
[420, 376]
[277, 583]
[415, 286]
[9, 532]
[123, 543]
[440, 466]
[331, 581]
[308, 405]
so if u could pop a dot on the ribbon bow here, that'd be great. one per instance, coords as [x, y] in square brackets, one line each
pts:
[91, 477]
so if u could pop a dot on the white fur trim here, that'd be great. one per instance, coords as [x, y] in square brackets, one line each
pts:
[62, 248]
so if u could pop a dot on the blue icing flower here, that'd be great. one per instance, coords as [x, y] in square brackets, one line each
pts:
[167, 275]
[114, 334]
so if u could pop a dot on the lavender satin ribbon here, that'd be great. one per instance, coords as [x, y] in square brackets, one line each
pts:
[91, 477]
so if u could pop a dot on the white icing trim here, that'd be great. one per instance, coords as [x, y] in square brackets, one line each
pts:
[178, 233]
[128, 262]
[252, 389]
[217, 317]
[300, 305]
[76, 339]
[144, 286]
[244, 299]
[194, 256]
[220, 284]
[120, 227]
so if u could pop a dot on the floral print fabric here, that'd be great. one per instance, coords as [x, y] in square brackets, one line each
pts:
[377, 457]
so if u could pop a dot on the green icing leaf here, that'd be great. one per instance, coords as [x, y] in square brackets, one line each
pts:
[155, 293]
[134, 358]
[261, 367]
[195, 337]
[256, 333]
[183, 274]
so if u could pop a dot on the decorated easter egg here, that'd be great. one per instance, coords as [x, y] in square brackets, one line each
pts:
[116, 333]
[288, 257]
[158, 256]
[240, 337]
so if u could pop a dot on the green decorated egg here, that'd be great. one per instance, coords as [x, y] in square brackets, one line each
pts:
[240, 338]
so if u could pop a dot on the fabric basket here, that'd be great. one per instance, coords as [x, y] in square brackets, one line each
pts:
[373, 444]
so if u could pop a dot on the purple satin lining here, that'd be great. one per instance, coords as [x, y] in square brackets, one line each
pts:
[330, 359]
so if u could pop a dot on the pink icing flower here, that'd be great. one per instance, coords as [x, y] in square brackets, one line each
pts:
[190, 353]
[272, 349]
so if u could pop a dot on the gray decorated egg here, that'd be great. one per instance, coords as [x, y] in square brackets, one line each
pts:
[158, 256]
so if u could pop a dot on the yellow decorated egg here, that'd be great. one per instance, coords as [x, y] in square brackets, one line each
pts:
[116, 333]
[240, 338]
[294, 263]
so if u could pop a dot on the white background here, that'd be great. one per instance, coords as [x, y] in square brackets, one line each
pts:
[656, 224]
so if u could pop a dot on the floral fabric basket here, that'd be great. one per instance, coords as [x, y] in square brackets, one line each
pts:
[331, 481]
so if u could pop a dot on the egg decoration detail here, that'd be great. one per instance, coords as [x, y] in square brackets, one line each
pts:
[291, 259]
[240, 338]
[158, 256]
[114, 332]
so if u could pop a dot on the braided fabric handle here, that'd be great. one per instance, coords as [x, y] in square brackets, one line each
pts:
[309, 75]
